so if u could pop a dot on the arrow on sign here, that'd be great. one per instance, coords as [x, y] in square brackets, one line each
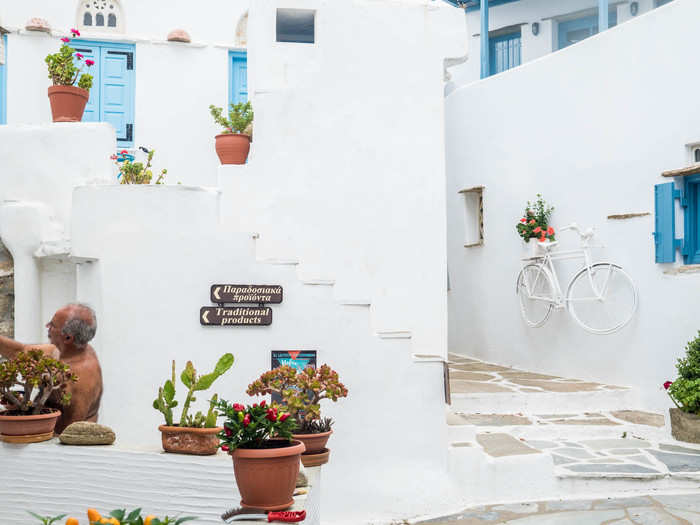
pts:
[205, 316]
[216, 292]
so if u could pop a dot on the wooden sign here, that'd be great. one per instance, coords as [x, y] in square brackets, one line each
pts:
[235, 316]
[246, 293]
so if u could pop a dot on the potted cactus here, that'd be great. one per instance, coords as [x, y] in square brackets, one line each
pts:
[233, 144]
[301, 393]
[27, 382]
[193, 434]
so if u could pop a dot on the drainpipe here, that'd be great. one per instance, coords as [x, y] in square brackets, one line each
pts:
[485, 64]
[602, 15]
[23, 227]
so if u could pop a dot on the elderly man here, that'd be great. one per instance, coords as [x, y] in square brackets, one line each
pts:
[70, 330]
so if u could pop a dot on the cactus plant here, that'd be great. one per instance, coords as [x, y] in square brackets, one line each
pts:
[165, 401]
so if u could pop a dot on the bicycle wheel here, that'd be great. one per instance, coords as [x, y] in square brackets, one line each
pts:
[535, 291]
[603, 300]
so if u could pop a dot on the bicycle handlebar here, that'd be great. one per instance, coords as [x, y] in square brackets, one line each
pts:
[587, 234]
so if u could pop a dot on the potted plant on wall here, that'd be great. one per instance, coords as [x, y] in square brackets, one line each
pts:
[233, 144]
[131, 172]
[685, 394]
[27, 382]
[193, 434]
[67, 99]
[534, 224]
[301, 393]
[265, 459]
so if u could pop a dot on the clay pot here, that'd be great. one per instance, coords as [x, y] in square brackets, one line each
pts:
[184, 440]
[28, 429]
[232, 148]
[685, 426]
[317, 459]
[68, 103]
[314, 443]
[266, 477]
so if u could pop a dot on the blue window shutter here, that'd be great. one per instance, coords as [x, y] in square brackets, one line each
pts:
[504, 52]
[665, 222]
[691, 246]
[3, 81]
[238, 77]
[117, 92]
[92, 109]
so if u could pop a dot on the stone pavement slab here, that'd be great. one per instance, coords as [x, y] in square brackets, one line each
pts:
[640, 418]
[678, 462]
[500, 445]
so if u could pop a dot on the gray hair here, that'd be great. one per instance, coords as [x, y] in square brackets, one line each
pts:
[81, 330]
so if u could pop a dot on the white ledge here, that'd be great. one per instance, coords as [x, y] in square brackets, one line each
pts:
[196, 45]
[394, 334]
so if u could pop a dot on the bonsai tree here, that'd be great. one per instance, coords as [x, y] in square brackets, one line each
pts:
[63, 70]
[301, 393]
[534, 223]
[240, 118]
[252, 426]
[135, 172]
[28, 381]
[685, 391]
[165, 402]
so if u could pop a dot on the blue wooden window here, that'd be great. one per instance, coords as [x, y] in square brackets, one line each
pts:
[3, 81]
[238, 77]
[691, 201]
[112, 94]
[504, 52]
[572, 31]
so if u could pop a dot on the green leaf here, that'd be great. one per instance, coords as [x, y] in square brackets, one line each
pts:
[119, 514]
[205, 382]
[225, 362]
[169, 391]
[183, 520]
[156, 405]
[188, 374]
[133, 514]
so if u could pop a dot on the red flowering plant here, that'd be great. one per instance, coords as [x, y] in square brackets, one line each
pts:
[63, 70]
[253, 426]
[685, 390]
[534, 223]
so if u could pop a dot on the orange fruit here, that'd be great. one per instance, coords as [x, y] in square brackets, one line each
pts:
[148, 519]
[72, 521]
[93, 515]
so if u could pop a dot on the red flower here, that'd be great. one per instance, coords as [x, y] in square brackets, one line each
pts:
[262, 403]
[75, 32]
[283, 417]
[532, 221]
[224, 448]
[89, 62]
[238, 407]
[123, 152]
[246, 420]
[667, 384]
[228, 432]
[542, 238]
[65, 40]
[271, 415]
[550, 231]
[79, 55]
[113, 157]
[537, 230]
[523, 219]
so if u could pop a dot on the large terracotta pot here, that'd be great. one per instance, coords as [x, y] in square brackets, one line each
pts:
[68, 103]
[28, 429]
[196, 441]
[314, 443]
[266, 477]
[685, 426]
[232, 148]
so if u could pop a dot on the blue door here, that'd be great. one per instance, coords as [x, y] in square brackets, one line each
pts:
[572, 31]
[3, 79]
[692, 220]
[504, 52]
[112, 93]
[238, 77]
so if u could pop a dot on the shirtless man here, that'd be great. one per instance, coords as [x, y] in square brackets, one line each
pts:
[70, 330]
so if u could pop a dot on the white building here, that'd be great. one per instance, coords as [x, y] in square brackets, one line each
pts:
[384, 208]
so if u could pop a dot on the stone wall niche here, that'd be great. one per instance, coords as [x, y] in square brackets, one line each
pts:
[7, 293]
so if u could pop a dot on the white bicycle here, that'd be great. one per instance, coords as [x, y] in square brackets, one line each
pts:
[600, 297]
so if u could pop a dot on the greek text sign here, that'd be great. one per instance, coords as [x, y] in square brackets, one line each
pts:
[235, 316]
[246, 293]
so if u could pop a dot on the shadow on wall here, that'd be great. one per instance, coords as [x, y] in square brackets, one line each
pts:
[7, 293]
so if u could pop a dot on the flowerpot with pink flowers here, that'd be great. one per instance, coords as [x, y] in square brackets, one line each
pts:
[533, 227]
[301, 393]
[71, 87]
[685, 394]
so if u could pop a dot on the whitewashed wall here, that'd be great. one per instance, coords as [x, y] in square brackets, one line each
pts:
[603, 123]
[523, 13]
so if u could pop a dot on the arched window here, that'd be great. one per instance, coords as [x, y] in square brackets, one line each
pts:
[242, 31]
[100, 15]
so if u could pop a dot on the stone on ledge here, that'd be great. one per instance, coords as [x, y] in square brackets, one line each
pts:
[179, 35]
[85, 433]
[38, 24]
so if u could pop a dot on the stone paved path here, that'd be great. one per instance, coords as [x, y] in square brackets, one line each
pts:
[683, 509]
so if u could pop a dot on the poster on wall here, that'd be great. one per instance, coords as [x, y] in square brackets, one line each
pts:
[298, 359]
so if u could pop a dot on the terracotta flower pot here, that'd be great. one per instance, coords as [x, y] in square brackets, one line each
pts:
[317, 459]
[266, 477]
[184, 440]
[28, 429]
[68, 103]
[232, 148]
[685, 426]
[314, 443]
